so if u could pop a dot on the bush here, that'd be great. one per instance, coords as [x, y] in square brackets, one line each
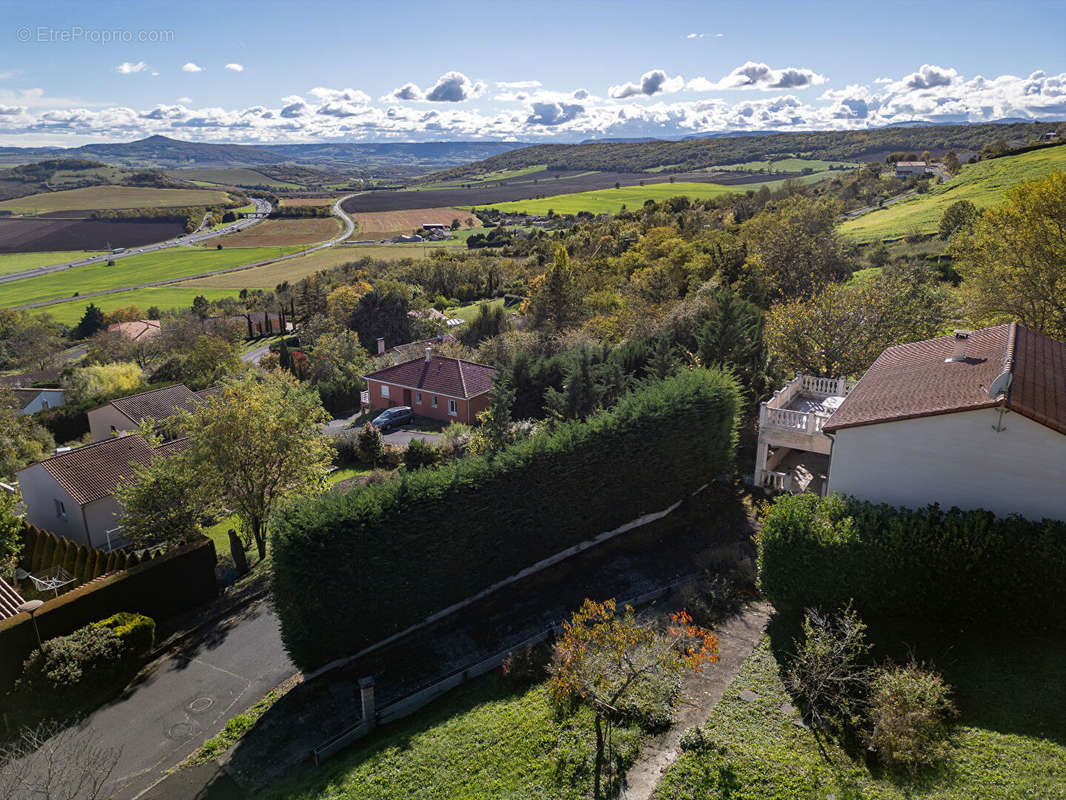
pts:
[135, 631]
[347, 449]
[909, 715]
[715, 596]
[437, 536]
[946, 566]
[68, 666]
[420, 454]
[828, 674]
[370, 445]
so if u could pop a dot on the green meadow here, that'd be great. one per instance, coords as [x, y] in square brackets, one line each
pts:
[17, 262]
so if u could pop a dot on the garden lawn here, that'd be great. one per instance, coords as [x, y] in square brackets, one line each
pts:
[1010, 743]
[468, 312]
[131, 271]
[91, 198]
[486, 739]
[165, 297]
[983, 184]
[17, 262]
[610, 201]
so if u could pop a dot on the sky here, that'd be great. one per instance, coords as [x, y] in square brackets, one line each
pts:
[307, 71]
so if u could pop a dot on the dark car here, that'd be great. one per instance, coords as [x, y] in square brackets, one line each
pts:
[393, 417]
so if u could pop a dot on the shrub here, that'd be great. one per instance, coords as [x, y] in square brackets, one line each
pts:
[715, 596]
[371, 446]
[910, 710]
[90, 657]
[438, 536]
[527, 664]
[828, 674]
[135, 631]
[420, 454]
[346, 447]
[948, 566]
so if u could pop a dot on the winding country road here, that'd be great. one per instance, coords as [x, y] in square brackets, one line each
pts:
[349, 228]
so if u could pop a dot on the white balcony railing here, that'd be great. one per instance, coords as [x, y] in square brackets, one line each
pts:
[777, 481]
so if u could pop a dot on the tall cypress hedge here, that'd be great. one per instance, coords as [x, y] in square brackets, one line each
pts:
[350, 570]
[929, 563]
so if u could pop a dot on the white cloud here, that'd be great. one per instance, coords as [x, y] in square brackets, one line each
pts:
[185, 100]
[695, 35]
[235, 67]
[454, 87]
[189, 66]
[155, 74]
[754, 75]
[654, 82]
[408, 91]
[719, 35]
[518, 84]
[128, 68]
[8, 74]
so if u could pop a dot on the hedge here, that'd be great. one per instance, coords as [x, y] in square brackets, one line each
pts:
[945, 565]
[352, 569]
[135, 631]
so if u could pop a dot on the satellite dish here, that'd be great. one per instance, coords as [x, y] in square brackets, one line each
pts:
[1000, 385]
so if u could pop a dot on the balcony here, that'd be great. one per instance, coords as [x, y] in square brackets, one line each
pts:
[790, 425]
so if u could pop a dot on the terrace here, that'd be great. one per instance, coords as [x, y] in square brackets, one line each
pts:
[793, 453]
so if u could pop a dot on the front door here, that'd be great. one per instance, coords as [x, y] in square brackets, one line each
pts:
[407, 397]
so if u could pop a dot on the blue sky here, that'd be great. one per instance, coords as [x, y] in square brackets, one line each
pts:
[545, 71]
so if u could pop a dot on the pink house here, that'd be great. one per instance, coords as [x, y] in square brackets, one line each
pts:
[448, 389]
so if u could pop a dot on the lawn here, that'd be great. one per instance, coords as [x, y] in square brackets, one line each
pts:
[1010, 741]
[610, 201]
[17, 262]
[275, 232]
[105, 197]
[487, 739]
[983, 184]
[468, 312]
[173, 262]
[165, 297]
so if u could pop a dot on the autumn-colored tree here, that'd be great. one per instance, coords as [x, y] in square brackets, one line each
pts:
[258, 441]
[605, 660]
[103, 380]
[1013, 262]
[342, 301]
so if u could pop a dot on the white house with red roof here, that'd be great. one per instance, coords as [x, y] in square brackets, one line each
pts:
[448, 389]
[973, 420]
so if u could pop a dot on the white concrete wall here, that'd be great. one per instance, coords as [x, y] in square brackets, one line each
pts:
[101, 516]
[101, 419]
[39, 493]
[955, 460]
[52, 397]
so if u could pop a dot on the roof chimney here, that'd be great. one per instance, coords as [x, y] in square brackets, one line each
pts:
[381, 345]
[958, 353]
[429, 354]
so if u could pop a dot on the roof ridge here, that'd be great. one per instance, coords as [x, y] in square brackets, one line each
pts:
[462, 377]
[84, 447]
[146, 391]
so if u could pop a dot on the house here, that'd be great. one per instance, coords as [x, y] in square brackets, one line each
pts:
[792, 453]
[136, 330]
[405, 351]
[448, 389]
[905, 168]
[436, 317]
[71, 494]
[33, 400]
[974, 420]
[124, 414]
[256, 323]
[10, 600]
[1050, 136]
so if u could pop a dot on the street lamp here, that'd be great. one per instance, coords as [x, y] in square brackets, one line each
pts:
[30, 607]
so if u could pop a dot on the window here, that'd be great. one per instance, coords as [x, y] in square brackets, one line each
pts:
[434, 401]
[418, 398]
[384, 390]
[451, 408]
[61, 510]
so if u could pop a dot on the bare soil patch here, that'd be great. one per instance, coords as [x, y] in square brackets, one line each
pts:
[308, 201]
[376, 222]
[278, 232]
[25, 235]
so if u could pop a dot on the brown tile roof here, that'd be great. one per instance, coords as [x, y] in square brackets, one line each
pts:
[157, 404]
[137, 329]
[451, 377]
[914, 380]
[92, 472]
[10, 600]
[419, 348]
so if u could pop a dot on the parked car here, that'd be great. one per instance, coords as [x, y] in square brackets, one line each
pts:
[393, 417]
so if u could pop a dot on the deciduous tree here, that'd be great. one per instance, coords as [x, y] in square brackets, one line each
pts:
[166, 501]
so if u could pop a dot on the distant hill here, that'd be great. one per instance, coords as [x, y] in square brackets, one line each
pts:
[721, 150]
[167, 153]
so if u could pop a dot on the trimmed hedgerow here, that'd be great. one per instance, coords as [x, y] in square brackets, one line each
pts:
[350, 570]
[930, 563]
[135, 631]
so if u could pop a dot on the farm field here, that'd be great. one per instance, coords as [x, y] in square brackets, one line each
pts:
[376, 222]
[296, 202]
[983, 184]
[789, 165]
[131, 271]
[518, 189]
[1009, 742]
[166, 297]
[40, 234]
[275, 232]
[235, 176]
[91, 198]
[488, 177]
[17, 262]
[610, 201]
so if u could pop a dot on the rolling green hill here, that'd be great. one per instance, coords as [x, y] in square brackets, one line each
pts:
[982, 184]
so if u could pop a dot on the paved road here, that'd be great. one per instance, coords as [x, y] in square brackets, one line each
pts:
[197, 236]
[400, 437]
[190, 696]
[255, 356]
[349, 227]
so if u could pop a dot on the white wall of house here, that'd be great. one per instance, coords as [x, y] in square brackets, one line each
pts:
[101, 419]
[40, 492]
[955, 460]
[46, 398]
[100, 517]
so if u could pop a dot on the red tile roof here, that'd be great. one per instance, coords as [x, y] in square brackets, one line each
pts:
[137, 329]
[915, 380]
[451, 377]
